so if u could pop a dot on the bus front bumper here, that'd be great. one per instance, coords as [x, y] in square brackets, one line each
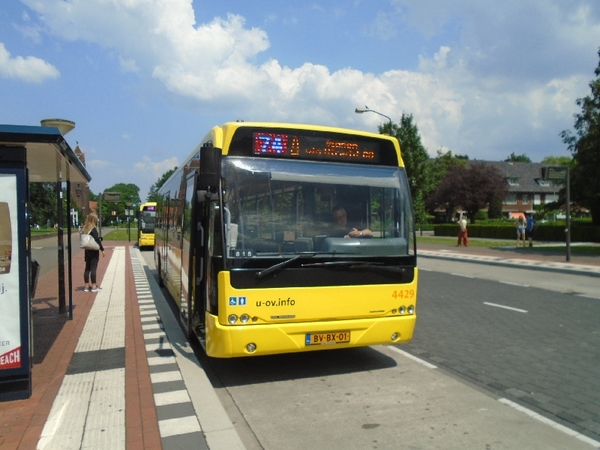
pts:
[269, 339]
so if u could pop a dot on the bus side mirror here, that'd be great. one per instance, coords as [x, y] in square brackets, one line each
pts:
[210, 167]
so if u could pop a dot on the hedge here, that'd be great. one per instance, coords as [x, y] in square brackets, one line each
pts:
[543, 233]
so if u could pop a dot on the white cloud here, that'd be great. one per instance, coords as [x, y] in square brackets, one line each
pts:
[514, 39]
[29, 69]
[128, 65]
[151, 171]
[385, 26]
[98, 164]
[509, 77]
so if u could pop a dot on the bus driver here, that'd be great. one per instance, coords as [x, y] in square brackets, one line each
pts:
[342, 229]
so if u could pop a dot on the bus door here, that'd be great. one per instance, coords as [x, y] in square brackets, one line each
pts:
[162, 249]
[209, 261]
[189, 258]
[208, 238]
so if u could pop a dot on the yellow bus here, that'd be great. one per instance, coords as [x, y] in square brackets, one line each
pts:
[146, 221]
[279, 238]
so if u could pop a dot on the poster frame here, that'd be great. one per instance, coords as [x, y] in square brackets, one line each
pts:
[15, 383]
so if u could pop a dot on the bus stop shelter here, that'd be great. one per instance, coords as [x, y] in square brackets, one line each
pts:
[29, 154]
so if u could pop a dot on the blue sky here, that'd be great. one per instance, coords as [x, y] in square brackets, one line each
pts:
[145, 79]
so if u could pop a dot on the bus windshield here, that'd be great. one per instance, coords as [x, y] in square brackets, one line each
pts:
[147, 221]
[283, 207]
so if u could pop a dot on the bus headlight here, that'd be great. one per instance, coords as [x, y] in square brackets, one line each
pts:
[251, 347]
[232, 319]
[411, 309]
[395, 337]
[244, 318]
[402, 309]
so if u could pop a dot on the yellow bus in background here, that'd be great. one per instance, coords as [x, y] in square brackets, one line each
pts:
[146, 222]
[247, 244]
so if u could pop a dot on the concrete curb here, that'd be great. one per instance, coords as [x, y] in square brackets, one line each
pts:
[551, 266]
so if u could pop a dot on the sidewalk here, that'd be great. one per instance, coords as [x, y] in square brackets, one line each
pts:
[512, 256]
[110, 378]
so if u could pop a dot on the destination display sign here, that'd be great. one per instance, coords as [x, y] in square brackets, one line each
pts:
[311, 145]
[312, 148]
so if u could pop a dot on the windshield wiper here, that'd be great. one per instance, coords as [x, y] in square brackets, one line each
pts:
[287, 262]
[377, 267]
[353, 265]
[332, 264]
[279, 266]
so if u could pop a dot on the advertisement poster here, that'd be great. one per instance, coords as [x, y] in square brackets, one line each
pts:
[10, 325]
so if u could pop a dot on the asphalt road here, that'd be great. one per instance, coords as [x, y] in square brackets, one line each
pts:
[45, 249]
[542, 353]
[529, 336]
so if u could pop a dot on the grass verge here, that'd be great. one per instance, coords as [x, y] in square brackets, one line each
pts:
[121, 235]
[589, 250]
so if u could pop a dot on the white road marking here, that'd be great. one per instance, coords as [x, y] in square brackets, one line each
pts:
[553, 424]
[505, 307]
[514, 284]
[414, 358]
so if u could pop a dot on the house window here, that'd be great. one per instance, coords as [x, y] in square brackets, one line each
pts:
[512, 181]
[550, 198]
[537, 199]
[524, 198]
[510, 199]
[544, 183]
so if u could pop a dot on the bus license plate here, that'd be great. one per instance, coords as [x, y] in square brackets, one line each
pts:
[327, 338]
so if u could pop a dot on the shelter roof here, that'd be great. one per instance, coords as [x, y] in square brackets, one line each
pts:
[49, 156]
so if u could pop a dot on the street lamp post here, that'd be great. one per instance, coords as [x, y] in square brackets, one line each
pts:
[367, 109]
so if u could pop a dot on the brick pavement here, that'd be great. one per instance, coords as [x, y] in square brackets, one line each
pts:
[54, 341]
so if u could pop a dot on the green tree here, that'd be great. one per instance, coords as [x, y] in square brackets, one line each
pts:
[43, 206]
[153, 192]
[415, 159]
[558, 161]
[440, 166]
[130, 193]
[518, 158]
[471, 187]
[585, 147]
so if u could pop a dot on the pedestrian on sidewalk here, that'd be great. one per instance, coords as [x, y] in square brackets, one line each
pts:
[92, 256]
[530, 227]
[463, 234]
[520, 224]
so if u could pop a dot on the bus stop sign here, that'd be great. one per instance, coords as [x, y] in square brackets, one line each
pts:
[112, 197]
[555, 173]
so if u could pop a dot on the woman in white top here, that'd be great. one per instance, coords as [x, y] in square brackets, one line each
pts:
[520, 225]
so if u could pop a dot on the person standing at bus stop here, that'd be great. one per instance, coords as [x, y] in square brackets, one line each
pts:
[92, 256]
[520, 226]
[463, 234]
[530, 227]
